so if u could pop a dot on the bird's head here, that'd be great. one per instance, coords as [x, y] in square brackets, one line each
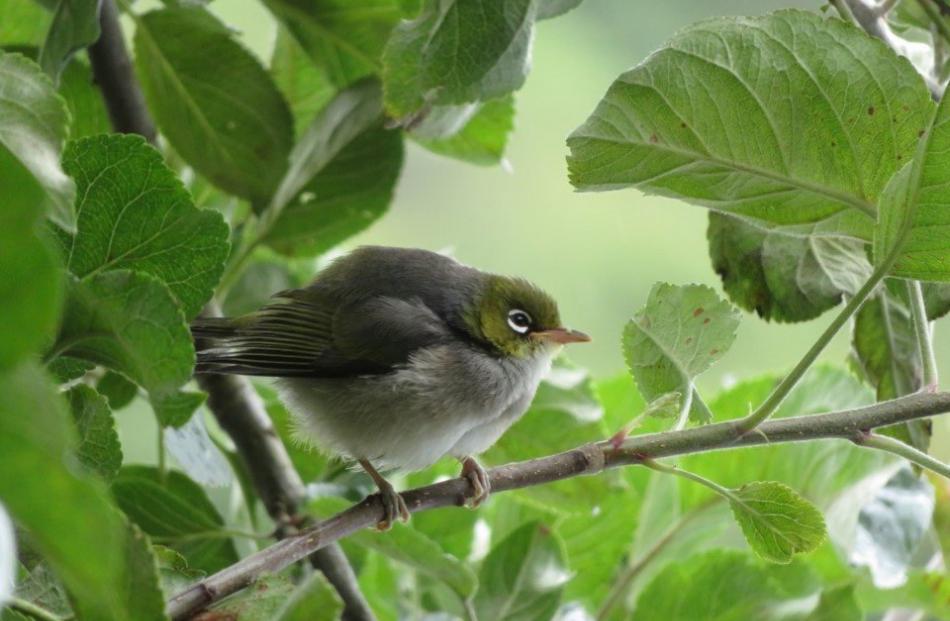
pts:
[518, 319]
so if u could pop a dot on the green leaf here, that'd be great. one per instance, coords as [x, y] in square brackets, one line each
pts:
[341, 177]
[75, 25]
[173, 570]
[141, 592]
[314, 600]
[678, 334]
[457, 52]
[718, 117]
[837, 604]
[936, 299]
[776, 521]
[523, 576]
[345, 38]
[33, 126]
[716, 586]
[219, 109]
[884, 347]
[87, 109]
[784, 274]
[23, 23]
[408, 546]
[553, 8]
[304, 85]
[133, 213]
[99, 448]
[913, 219]
[65, 369]
[30, 281]
[36, 441]
[480, 140]
[129, 322]
[116, 389]
[176, 511]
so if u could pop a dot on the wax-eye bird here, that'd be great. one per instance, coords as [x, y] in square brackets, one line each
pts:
[395, 357]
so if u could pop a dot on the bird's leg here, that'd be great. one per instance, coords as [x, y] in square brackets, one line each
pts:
[394, 507]
[477, 478]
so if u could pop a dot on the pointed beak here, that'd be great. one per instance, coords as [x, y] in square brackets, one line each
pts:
[562, 336]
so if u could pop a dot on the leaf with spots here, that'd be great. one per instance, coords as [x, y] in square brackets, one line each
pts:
[789, 118]
[133, 213]
[776, 521]
[680, 332]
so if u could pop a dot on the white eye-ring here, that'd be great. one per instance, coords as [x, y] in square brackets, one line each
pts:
[519, 321]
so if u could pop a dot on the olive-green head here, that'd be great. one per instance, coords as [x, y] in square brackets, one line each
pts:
[519, 319]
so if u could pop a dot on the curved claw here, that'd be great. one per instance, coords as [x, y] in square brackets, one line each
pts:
[394, 507]
[477, 477]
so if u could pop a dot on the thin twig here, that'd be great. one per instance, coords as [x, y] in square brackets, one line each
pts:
[31, 610]
[585, 460]
[922, 329]
[232, 400]
[895, 446]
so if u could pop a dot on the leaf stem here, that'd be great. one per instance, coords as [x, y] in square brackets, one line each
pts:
[789, 382]
[895, 446]
[31, 610]
[924, 332]
[692, 476]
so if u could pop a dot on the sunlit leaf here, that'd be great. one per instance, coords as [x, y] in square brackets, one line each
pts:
[718, 117]
[480, 138]
[677, 335]
[30, 281]
[777, 522]
[314, 600]
[304, 85]
[837, 604]
[33, 127]
[87, 109]
[913, 218]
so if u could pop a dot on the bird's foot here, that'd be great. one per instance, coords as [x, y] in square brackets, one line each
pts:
[478, 479]
[394, 507]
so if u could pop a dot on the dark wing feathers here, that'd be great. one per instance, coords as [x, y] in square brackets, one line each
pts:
[304, 334]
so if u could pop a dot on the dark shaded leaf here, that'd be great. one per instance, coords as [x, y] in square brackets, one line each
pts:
[226, 118]
[75, 25]
[457, 52]
[343, 37]
[99, 448]
[523, 576]
[783, 274]
[118, 390]
[176, 512]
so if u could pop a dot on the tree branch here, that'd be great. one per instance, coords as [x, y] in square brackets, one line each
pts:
[585, 460]
[232, 400]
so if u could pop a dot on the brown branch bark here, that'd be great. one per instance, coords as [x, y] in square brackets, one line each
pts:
[589, 459]
[232, 400]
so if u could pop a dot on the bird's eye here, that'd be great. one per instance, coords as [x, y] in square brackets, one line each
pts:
[519, 321]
